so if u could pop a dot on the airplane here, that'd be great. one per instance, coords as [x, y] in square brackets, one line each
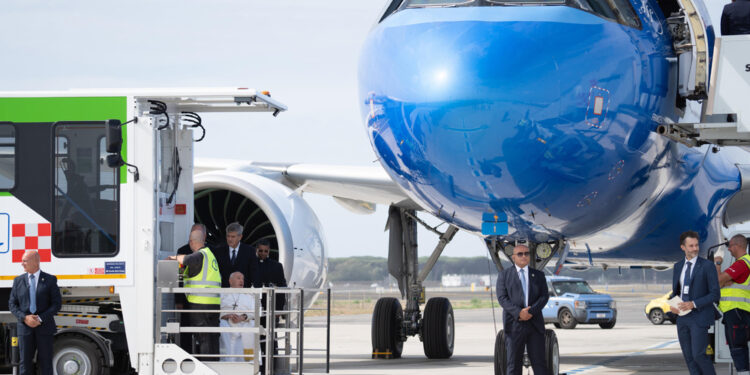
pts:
[526, 121]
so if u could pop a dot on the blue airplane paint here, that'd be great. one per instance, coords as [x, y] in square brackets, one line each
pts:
[547, 114]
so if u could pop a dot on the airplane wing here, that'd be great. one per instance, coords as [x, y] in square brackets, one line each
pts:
[357, 188]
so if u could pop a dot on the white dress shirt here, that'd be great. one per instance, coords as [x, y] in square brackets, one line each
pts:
[682, 274]
[526, 276]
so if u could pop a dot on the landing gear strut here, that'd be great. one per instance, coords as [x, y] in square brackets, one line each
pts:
[390, 325]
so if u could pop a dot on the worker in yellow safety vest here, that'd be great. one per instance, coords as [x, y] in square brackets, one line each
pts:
[735, 303]
[202, 271]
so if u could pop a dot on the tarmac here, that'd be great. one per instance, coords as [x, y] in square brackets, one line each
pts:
[633, 346]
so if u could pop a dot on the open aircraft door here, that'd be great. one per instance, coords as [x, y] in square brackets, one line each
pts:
[690, 42]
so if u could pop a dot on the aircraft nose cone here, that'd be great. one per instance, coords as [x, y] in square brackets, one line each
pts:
[437, 62]
[445, 101]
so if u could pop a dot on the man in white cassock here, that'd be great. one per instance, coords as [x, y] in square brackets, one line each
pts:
[237, 343]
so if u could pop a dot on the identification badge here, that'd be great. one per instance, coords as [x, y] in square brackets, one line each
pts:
[686, 290]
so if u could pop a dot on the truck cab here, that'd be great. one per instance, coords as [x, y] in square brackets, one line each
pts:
[572, 301]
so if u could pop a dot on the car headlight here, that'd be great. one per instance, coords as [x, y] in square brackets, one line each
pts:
[580, 304]
[612, 304]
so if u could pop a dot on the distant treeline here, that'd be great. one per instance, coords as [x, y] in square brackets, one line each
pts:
[375, 269]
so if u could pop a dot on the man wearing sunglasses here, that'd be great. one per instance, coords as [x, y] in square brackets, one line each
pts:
[522, 292]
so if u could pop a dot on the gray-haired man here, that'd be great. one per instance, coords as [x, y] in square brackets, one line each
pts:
[236, 256]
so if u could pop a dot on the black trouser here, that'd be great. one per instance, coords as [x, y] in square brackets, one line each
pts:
[32, 341]
[208, 343]
[263, 344]
[525, 338]
[736, 329]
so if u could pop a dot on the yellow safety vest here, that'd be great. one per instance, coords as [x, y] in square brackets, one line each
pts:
[209, 277]
[736, 296]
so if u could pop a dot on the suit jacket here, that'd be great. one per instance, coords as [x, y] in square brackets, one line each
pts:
[511, 298]
[735, 19]
[271, 273]
[704, 290]
[48, 302]
[246, 263]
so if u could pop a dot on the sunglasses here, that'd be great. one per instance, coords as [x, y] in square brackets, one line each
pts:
[522, 254]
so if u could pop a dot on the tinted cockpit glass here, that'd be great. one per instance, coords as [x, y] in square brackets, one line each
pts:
[620, 11]
[436, 3]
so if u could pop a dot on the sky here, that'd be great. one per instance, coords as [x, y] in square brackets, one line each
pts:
[304, 52]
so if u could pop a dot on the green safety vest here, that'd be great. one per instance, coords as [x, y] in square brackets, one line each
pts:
[209, 277]
[736, 296]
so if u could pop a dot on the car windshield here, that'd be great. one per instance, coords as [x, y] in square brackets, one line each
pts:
[575, 287]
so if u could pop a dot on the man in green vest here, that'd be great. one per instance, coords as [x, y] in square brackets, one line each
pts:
[735, 303]
[202, 271]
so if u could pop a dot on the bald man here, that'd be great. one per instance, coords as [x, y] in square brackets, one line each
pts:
[522, 292]
[34, 301]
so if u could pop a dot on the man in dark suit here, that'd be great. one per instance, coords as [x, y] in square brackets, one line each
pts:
[696, 282]
[735, 18]
[34, 301]
[270, 274]
[522, 292]
[236, 256]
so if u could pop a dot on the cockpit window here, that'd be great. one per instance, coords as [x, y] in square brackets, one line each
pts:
[436, 3]
[620, 11]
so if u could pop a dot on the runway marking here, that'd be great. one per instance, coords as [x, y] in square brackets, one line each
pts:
[614, 359]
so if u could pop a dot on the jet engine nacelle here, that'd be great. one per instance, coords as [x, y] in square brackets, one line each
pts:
[267, 210]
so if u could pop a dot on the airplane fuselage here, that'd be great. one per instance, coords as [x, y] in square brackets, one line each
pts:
[545, 113]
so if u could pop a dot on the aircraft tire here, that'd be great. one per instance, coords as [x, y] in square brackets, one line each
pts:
[386, 329]
[438, 328]
[552, 352]
[500, 361]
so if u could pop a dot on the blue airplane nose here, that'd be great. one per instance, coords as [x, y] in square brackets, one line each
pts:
[475, 110]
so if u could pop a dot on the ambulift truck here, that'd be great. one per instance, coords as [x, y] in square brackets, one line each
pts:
[101, 184]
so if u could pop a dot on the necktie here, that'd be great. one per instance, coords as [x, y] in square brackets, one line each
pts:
[234, 255]
[686, 282]
[32, 294]
[523, 283]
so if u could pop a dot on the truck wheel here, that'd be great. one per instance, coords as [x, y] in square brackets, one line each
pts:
[77, 354]
[438, 328]
[557, 325]
[566, 319]
[656, 316]
[386, 329]
[551, 352]
[500, 361]
[608, 325]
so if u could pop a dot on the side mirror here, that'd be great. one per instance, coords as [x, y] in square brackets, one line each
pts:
[115, 161]
[114, 137]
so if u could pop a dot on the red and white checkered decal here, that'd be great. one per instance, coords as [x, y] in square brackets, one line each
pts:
[34, 236]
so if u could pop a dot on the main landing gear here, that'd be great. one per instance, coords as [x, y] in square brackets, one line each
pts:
[391, 325]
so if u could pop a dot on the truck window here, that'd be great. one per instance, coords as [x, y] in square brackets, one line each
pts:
[86, 193]
[575, 287]
[7, 156]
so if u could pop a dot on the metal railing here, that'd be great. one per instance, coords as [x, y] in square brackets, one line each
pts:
[277, 359]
